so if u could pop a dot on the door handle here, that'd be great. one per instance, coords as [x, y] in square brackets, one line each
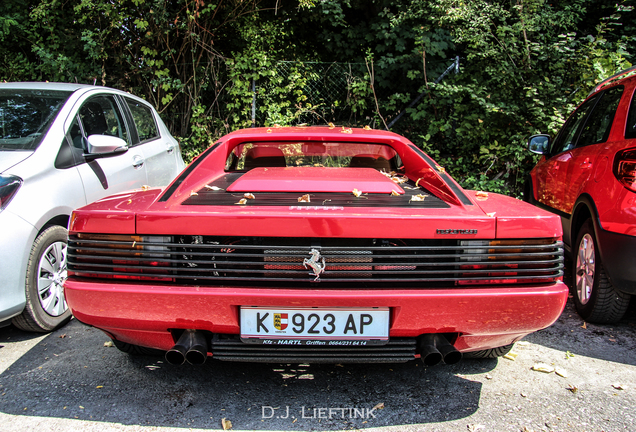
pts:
[170, 149]
[138, 162]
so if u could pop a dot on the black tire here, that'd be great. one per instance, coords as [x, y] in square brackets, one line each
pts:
[489, 353]
[595, 297]
[45, 308]
[136, 350]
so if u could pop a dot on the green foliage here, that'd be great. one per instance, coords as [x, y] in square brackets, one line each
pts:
[525, 64]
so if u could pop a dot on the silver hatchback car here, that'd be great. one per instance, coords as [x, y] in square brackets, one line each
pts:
[63, 146]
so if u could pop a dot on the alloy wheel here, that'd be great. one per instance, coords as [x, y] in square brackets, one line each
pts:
[585, 267]
[51, 276]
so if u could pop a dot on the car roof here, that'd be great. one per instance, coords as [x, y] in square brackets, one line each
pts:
[46, 86]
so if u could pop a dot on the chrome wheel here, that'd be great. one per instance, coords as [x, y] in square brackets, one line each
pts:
[51, 277]
[585, 266]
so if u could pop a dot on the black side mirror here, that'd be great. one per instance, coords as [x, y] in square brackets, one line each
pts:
[539, 144]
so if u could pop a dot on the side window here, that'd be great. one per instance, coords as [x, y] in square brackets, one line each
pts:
[144, 120]
[566, 139]
[599, 123]
[100, 115]
[630, 128]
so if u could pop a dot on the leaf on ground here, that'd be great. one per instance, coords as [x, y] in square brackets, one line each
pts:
[511, 356]
[542, 367]
[62, 336]
[98, 387]
[109, 344]
[584, 326]
[227, 425]
[379, 406]
[618, 386]
[572, 388]
[475, 427]
[304, 198]
[561, 372]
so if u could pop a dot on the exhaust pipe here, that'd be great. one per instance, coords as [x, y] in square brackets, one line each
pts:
[429, 354]
[448, 351]
[191, 347]
[434, 348]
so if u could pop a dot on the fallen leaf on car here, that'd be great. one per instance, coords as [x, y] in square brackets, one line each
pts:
[367, 127]
[491, 214]
[394, 193]
[357, 192]
[399, 179]
[129, 201]
[481, 195]
[618, 386]
[242, 201]
[227, 425]
[511, 356]
[440, 169]
[379, 406]
[109, 344]
[193, 193]
[214, 188]
[417, 183]
[572, 388]
[304, 198]
[249, 196]
[560, 371]
[145, 187]
[347, 131]
[269, 131]
[542, 367]
[418, 197]
[331, 126]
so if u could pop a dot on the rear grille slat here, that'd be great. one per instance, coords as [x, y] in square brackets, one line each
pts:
[261, 261]
[231, 348]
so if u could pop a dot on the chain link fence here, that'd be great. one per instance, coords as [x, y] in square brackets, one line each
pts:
[308, 93]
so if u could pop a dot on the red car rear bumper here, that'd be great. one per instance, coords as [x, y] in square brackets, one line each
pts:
[483, 318]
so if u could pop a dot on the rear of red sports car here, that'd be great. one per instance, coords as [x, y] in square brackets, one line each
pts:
[315, 245]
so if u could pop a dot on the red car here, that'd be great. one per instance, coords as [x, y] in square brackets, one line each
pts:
[315, 244]
[587, 176]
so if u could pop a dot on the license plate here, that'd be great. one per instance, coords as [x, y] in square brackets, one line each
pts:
[314, 326]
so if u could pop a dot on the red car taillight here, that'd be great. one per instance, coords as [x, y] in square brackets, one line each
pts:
[625, 168]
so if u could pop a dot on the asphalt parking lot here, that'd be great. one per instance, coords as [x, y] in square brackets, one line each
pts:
[69, 380]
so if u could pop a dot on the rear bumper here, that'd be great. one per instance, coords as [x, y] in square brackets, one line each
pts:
[619, 259]
[483, 318]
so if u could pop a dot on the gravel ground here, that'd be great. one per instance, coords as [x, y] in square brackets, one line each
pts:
[70, 380]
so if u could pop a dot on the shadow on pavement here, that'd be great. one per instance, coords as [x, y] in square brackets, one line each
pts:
[76, 376]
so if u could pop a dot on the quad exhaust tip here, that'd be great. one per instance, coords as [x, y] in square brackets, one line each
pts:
[435, 348]
[192, 347]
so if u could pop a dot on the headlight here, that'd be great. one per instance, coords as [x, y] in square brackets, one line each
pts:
[9, 185]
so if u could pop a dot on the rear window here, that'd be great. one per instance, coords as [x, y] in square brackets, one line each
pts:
[26, 115]
[247, 156]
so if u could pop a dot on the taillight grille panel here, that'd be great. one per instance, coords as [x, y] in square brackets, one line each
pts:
[283, 262]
